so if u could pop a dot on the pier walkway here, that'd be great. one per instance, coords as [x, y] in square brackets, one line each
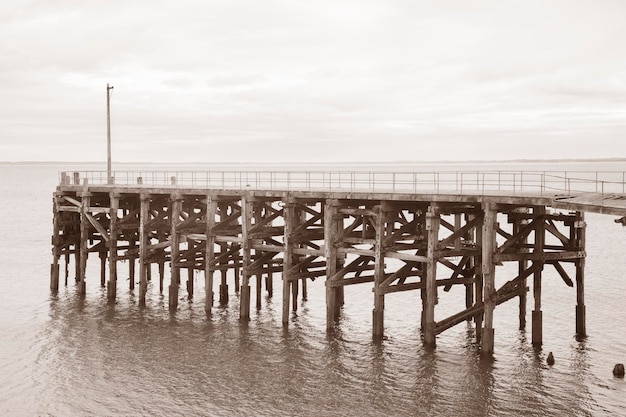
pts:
[396, 231]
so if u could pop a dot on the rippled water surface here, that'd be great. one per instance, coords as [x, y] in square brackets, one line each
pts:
[65, 356]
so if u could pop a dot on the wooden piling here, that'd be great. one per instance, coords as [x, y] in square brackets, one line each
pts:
[223, 214]
[537, 319]
[378, 314]
[580, 232]
[432, 230]
[289, 216]
[84, 240]
[144, 218]
[103, 271]
[269, 284]
[132, 247]
[517, 225]
[177, 201]
[488, 275]
[246, 225]
[114, 199]
[210, 253]
[469, 287]
[54, 267]
[330, 252]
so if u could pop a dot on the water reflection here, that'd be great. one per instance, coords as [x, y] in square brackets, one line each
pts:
[115, 356]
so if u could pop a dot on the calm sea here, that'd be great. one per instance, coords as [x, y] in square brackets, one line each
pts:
[65, 356]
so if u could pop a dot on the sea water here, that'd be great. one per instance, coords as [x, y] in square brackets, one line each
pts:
[62, 355]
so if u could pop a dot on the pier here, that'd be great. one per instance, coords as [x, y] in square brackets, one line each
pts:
[395, 231]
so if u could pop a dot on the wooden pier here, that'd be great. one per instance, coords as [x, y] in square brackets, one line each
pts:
[422, 232]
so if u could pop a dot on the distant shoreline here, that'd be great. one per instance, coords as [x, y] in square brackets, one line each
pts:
[398, 162]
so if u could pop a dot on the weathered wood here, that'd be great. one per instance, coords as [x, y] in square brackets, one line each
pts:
[132, 245]
[84, 238]
[177, 202]
[580, 234]
[378, 313]
[537, 319]
[103, 270]
[330, 251]
[488, 274]
[518, 224]
[215, 230]
[209, 253]
[114, 200]
[539, 256]
[246, 225]
[56, 250]
[432, 228]
[289, 216]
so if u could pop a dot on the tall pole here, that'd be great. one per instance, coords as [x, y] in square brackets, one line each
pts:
[109, 176]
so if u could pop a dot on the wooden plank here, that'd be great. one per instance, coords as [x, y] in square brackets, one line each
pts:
[406, 257]
[351, 281]
[354, 251]
[69, 209]
[539, 256]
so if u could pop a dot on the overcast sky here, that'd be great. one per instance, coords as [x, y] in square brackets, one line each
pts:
[323, 80]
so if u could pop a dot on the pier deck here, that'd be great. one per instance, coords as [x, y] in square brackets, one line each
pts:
[394, 231]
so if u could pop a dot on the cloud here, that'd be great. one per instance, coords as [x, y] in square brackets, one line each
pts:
[239, 79]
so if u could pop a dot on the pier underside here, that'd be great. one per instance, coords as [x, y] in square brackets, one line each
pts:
[391, 242]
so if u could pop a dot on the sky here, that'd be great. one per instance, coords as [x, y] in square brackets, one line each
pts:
[312, 81]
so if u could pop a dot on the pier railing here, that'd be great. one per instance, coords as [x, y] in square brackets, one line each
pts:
[482, 182]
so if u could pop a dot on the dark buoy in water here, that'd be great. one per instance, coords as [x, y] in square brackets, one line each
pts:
[618, 370]
[550, 359]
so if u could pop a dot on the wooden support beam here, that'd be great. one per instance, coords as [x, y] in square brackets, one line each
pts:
[209, 253]
[103, 267]
[580, 232]
[224, 218]
[539, 256]
[113, 234]
[518, 224]
[177, 202]
[433, 221]
[378, 324]
[331, 234]
[247, 213]
[132, 249]
[488, 273]
[537, 319]
[84, 240]
[56, 250]
[290, 220]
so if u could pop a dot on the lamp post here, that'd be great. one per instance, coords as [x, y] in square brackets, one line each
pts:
[109, 175]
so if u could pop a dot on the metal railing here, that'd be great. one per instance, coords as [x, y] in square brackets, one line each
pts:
[474, 182]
